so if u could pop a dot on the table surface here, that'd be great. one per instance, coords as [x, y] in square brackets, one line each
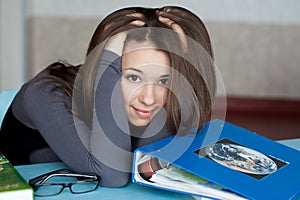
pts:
[129, 192]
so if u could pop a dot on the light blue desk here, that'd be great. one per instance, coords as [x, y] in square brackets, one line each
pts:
[5, 99]
[129, 192]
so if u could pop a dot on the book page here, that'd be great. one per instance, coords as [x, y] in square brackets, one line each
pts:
[156, 172]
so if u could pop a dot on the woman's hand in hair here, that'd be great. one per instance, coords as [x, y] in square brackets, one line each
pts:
[138, 22]
[177, 28]
[116, 42]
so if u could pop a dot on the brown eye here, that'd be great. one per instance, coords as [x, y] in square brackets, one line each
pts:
[133, 78]
[164, 81]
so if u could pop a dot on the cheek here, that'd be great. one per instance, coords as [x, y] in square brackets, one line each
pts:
[125, 92]
[162, 95]
[128, 91]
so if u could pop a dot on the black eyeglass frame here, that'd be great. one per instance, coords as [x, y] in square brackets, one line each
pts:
[40, 181]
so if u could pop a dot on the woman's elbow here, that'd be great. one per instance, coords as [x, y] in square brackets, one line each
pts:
[114, 178]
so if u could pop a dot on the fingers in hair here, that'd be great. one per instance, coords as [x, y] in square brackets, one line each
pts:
[177, 28]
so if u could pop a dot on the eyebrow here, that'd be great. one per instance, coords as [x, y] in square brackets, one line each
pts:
[134, 69]
[137, 70]
[165, 76]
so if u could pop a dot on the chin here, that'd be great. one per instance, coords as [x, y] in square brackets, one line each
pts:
[140, 122]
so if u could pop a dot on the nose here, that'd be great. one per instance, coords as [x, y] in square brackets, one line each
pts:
[147, 94]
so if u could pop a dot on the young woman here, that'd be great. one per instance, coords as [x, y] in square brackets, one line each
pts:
[148, 74]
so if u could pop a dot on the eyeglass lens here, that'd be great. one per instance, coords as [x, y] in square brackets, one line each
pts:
[55, 185]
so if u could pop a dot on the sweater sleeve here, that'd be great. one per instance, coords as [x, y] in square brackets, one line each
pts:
[105, 149]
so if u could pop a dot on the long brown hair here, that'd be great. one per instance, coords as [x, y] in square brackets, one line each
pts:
[201, 78]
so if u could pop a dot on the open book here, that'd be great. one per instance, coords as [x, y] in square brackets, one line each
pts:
[162, 174]
[221, 161]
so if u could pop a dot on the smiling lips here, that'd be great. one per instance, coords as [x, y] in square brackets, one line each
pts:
[143, 113]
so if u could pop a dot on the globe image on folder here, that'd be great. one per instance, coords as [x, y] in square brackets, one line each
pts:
[241, 158]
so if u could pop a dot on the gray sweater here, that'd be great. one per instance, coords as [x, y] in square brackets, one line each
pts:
[104, 148]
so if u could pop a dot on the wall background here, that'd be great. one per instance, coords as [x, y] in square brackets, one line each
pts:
[256, 43]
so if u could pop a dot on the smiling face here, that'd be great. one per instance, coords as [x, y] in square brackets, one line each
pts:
[145, 76]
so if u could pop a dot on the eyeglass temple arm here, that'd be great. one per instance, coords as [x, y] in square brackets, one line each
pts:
[44, 176]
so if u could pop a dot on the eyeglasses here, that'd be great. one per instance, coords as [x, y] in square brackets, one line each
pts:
[53, 183]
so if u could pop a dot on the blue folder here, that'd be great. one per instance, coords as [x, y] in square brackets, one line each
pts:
[237, 159]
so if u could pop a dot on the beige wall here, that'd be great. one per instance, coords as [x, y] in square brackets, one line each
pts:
[53, 38]
[258, 59]
[256, 43]
[12, 45]
[255, 59]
